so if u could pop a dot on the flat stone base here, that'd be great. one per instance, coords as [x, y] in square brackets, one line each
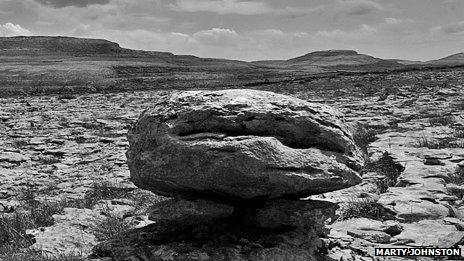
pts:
[241, 236]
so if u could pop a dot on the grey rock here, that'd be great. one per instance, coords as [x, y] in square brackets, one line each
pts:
[241, 144]
[70, 235]
[13, 157]
[430, 233]
[370, 235]
[184, 213]
[433, 161]
[392, 227]
[303, 213]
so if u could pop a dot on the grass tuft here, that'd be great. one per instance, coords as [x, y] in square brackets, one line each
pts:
[363, 208]
[443, 143]
[363, 137]
[387, 167]
[102, 191]
[443, 120]
[459, 133]
[112, 227]
[457, 177]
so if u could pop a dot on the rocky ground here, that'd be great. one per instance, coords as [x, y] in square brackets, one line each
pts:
[60, 147]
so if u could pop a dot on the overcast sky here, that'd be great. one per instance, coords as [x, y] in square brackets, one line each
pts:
[249, 29]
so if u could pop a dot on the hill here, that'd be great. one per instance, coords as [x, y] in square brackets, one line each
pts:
[331, 59]
[334, 58]
[23, 47]
[47, 45]
[56, 64]
[454, 59]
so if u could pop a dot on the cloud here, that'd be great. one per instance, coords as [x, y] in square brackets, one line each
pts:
[362, 31]
[214, 42]
[217, 36]
[454, 28]
[75, 3]
[10, 29]
[391, 20]
[359, 7]
[238, 7]
[398, 21]
[222, 7]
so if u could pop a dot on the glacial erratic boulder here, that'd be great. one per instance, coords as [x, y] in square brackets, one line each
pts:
[237, 145]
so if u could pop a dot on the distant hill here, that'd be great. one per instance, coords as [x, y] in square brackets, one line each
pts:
[57, 64]
[454, 59]
[334, 58]
[58, 47]
[331, 58]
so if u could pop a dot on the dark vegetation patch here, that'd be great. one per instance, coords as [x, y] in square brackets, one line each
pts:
[364, 208]
[456, 178]
[48, 159]
[102, 191]
[385, 166]
[112, 227]
[19, 144]
[363, 137]
[441, 120]
[459, 132]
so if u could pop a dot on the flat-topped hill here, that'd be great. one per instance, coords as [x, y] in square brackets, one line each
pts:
[451, 60]
[331, 58]
[41, 45]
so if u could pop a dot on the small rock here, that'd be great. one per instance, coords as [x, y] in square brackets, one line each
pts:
[13, 157]
[438, 155]
[55, 152]
[392, 227]
[433, 161]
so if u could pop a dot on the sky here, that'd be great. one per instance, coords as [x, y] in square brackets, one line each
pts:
[250, 29]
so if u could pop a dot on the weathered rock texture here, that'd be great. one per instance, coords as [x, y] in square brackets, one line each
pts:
[70, 235]
[236, 145]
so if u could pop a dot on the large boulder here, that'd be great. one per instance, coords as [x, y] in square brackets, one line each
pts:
[236, 145]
